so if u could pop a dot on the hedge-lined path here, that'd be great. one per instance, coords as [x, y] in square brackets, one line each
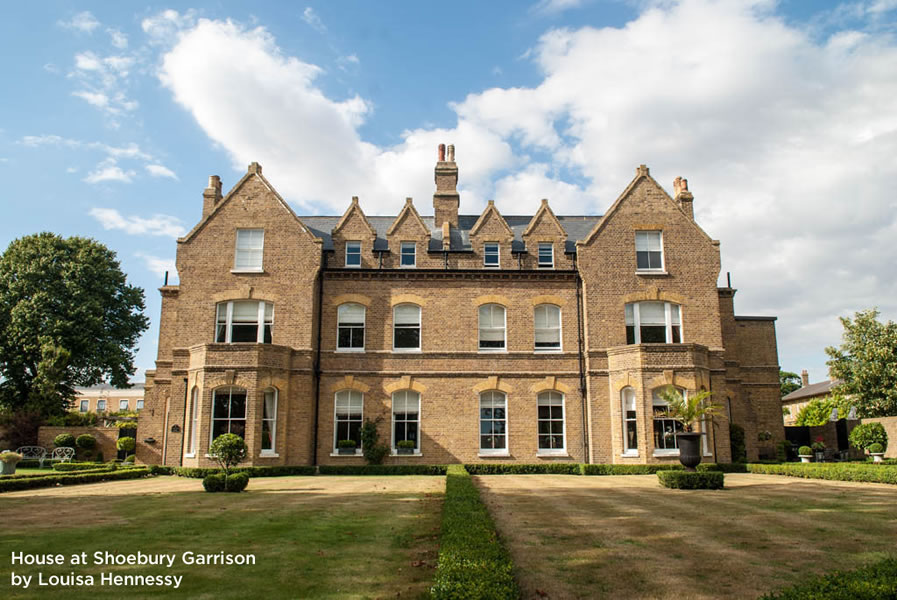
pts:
[627, 537]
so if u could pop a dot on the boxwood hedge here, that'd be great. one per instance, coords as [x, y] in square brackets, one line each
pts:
[382, 469]
[864, 472]
[512, 469]
[872, 582]
[26, 483]
[691, 480]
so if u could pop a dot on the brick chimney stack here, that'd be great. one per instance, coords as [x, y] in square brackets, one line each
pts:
[804, 378]
[446, 199]
[211, 195]
[683, 197]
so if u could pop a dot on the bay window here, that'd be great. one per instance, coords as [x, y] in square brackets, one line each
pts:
[229, 412]
[653, 323]
[630, 427]
[244, 321]
[665, 427]
[269, 421]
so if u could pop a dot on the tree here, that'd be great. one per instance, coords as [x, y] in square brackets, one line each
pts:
[866, 364]
[788, 382]
[818, 411]
[67, 318]
[228, 450]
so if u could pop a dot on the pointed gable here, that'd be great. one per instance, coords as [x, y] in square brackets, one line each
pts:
[409, 223]
[354, 224]
[544, 223]
[492, 224]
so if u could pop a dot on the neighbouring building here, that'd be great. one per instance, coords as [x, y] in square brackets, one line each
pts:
[802, 396]
[483, 337]
[105, 398]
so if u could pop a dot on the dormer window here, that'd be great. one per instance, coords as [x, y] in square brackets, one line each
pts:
[409, 255]
[353, 254]
[649, 250]
[250, 248]
[491, 255]
[546, 255]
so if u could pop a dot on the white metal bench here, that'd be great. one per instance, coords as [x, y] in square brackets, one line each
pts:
[33, 453]
[62, 455]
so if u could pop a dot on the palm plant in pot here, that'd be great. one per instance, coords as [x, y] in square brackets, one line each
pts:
[688, 411]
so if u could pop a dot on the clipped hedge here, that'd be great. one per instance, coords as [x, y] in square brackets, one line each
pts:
[691, 480]
[534, 469]
[11, 484]
[76, 466]
[599, 469]
[862, 472]
[473, 563]
[51, 473]
[382, 469]
[872, 582]
[216, 482]
[30, 463]
[200, 473]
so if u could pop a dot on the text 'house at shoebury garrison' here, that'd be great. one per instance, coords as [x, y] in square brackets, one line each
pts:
[478, 338]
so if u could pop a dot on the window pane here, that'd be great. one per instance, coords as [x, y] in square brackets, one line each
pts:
[647, 240]
[407, 337]
[219, 427]
[652, 313]
[222, 399]
[267, 441]
[630, 315]
[244, 333]
[238, 405]
[238, 427]
[674, 314]
[630, 334]
[642, 261]
[270, 406]
[653, 334]
[351, 314]
[407, 314]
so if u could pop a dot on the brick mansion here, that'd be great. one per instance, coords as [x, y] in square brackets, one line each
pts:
[473, 338]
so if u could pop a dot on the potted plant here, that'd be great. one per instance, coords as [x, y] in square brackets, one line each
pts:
[405, 447]
[805, 453]
[8, 462]
[688, 411]
[346, 447]
[819, 449]
[877, 451]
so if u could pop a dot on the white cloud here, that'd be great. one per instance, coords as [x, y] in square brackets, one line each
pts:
[104, 80]
[164, 27]
[117, 38]
[157, 264]
[347, 62]
[83, 22]
[555, 6]
[130, 150]
[311, 17]
[108, 170]
[160, 171]
[160, 225]
[96, 99]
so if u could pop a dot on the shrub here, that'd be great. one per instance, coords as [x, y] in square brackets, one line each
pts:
[64, 440]
[866, 434]
[736, 442]
[86, 441]
[217, 482]
[10, 458]
[406, 444]
[872, 582]
[374, 452]
[805, 451]
[511, 469]
[382, 470]
[228, 450]
[236, 482]
[346, 444]
[819, 410]
[862, 472]
[131, 458]
[13, 483]
[100, 457]
[629, 469]
[126, 444]
[213, 483]
[473, 563]
[199, 473]
[79, 466]
[875, 448]
[723, 467]
[783, 448]
[686, 480]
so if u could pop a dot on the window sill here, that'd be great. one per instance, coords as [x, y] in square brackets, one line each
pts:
[496, 351]
[552, 454]
[666, 453]
[659, 273]
[406, 350]
[548, 351]
[338, 455]
[350, 350]
[246, 271]
[494, 455]
[630, 454]
[193, 455]
[394, 453]
[269, 455]
[353, 266]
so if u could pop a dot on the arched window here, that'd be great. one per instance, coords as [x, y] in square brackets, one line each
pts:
[194, 422]
[653, 323]
[229, 412]
[630, 427]
[547, 322]
[705, 427]
[269, 421]
[492, 327]
[406, 327]
[665, 428]
[493, 423]
[406, 418]
[350, 327]
[348, 406]
[244, 321]
[551, 422]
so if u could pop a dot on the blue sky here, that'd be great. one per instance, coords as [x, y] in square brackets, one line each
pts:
[780, 114]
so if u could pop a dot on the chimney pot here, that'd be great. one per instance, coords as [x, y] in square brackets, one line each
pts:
[804, 378]
[451, 153]
[683, 197]
[441, 153]
[211, 195]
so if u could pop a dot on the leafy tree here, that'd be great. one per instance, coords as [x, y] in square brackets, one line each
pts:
[67, 318]
[228, 450]
[818, 411]
[866, 434]
[866, 363]
[788, 382]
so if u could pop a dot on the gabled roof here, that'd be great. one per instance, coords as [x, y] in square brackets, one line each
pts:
[408, 212]
[823, 388]
[354, 208]
[544, 212]
[490, 211]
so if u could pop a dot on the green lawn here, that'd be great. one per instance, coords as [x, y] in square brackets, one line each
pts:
[32, 472]
[313, 537]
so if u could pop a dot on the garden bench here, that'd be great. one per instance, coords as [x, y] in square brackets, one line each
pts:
[33, 453]
[62, 455]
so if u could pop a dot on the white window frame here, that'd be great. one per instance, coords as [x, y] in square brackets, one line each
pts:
[364, 332]
[657, 401]
[503, 328]
[562, 451]
[668, 321]
[101, 408]
[261, 321]
[353, 243]
[403, 246]
[84, 406]
[140, 404]
[662, 267]
[396, 326]
[392, 429]
[544, 265]
[626, 419]
[560, 329]
[705, 432]
[487, 253]
[245, 419]
[272, 423]
[247, 247]
[336, 399]
[123, 404]
[507, 437]
[194, 423]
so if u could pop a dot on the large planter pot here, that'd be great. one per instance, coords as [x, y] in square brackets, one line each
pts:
[689, 449]
[7, 468]
[876, 457]
[805, 458]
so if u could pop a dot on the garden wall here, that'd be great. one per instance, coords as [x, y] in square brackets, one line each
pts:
[890, 424]
[107, 437]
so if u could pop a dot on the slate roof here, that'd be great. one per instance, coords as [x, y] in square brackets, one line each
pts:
[577, 228]
[106, 386]
[814, 389]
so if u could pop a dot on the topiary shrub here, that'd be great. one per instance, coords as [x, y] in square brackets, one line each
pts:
[131, 459]
[805, 451]
[875, 448]
[126, 444]
[64, 440]
[213, 483]
[691, 480]
[236, 482]
[867, 434]
[86, 442]
[736, 442]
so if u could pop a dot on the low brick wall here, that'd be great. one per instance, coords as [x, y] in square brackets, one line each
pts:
[107, 438]
[890, 424]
